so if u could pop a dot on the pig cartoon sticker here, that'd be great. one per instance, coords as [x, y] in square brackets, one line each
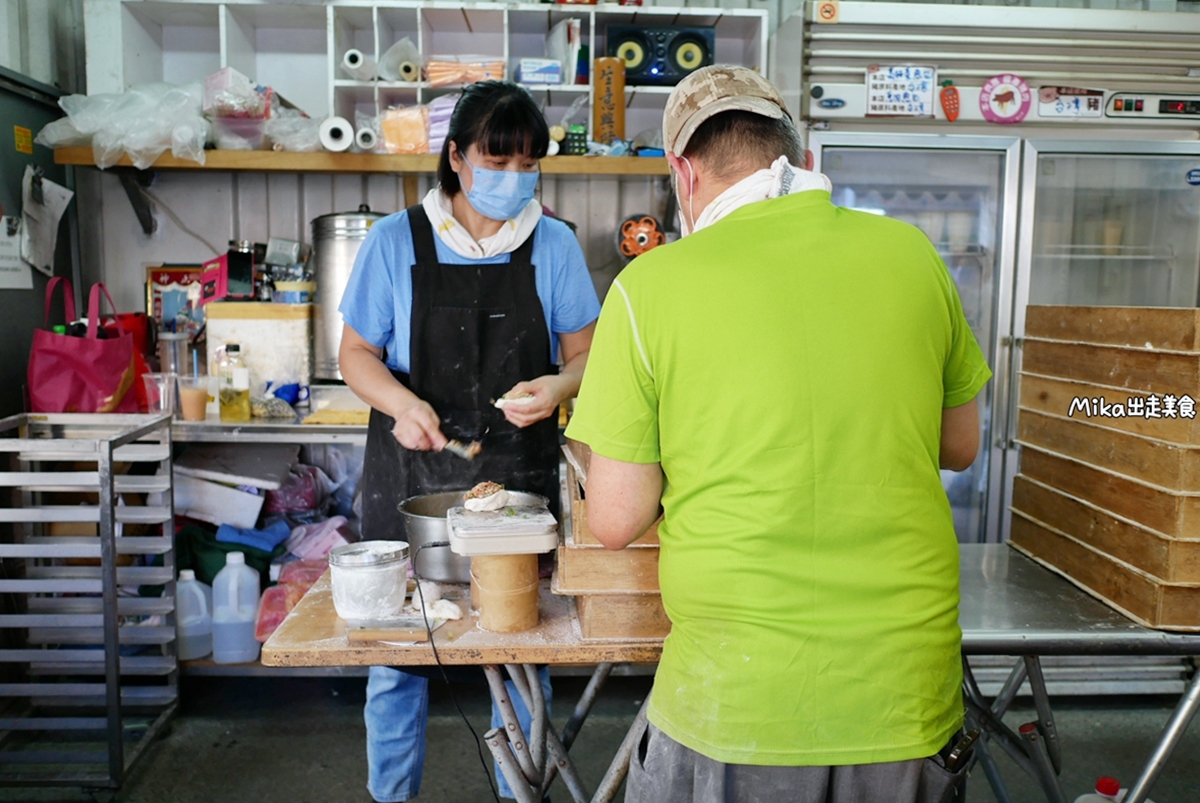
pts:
[1005, 98]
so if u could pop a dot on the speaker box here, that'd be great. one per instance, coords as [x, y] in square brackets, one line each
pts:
[661, 56]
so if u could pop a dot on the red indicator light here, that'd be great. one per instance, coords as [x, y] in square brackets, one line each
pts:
[1175, 105]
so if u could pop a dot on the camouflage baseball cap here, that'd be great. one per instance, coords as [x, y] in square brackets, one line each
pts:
[712, 90]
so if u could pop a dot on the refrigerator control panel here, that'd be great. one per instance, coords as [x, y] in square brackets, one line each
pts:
[1143, 105]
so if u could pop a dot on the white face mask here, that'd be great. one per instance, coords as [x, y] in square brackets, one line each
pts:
[688, 222]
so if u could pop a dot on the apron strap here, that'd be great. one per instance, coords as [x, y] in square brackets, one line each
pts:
[425, 249]
[524, 252]
[422, 234]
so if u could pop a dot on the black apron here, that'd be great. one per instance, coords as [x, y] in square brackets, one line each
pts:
[477, 330]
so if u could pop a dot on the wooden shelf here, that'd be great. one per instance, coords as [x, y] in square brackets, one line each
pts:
[369, 163]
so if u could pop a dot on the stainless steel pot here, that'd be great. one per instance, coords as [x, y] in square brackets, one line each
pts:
[425, 523]
[336, 239]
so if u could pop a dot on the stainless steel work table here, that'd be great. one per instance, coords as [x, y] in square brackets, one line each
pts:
[262, 430]
[1010, 606]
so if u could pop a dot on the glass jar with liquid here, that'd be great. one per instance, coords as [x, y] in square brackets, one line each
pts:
[234, 384]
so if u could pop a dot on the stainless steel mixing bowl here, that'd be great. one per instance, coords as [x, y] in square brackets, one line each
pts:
[425, 523]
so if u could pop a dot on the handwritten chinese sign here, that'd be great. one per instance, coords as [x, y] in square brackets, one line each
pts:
[900, 91]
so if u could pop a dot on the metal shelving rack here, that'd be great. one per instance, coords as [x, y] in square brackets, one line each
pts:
[88, 674]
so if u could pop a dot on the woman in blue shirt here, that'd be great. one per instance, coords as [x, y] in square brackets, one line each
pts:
[469, 296]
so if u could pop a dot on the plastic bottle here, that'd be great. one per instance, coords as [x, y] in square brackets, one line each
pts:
[235, 386]
[193, 619]
[1107, 790]
[235, 604]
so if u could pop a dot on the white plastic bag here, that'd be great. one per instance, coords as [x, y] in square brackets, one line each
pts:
[143, 123]
[290, 130]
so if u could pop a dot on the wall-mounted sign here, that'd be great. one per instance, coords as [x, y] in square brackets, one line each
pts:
[900, 90]
[1070, 101]
[828, 11]
[1193, 177]
[1005, 98]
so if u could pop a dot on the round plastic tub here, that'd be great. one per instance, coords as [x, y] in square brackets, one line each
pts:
[370, 579]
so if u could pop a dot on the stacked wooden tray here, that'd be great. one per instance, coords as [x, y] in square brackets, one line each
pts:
[616, 592]
[1109, 488]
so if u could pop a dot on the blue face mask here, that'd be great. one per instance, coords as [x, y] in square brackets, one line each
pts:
[500, 194]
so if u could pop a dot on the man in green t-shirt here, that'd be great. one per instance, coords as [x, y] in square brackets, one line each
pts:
[798, 373]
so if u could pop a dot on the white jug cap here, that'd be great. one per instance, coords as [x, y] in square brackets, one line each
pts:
[187, 574]
[235, 559]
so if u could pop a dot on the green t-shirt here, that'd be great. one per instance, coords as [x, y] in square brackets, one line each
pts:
[788, 367]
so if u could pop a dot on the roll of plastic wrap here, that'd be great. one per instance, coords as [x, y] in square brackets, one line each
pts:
[366, 139]
[359, 66]
[409, 71]
[337, 134]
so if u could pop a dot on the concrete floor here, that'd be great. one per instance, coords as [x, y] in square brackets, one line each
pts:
[301, 740]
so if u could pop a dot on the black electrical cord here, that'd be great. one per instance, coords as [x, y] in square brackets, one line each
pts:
[487, 771]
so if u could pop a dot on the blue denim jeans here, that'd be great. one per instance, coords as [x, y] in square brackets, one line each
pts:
[396, 714]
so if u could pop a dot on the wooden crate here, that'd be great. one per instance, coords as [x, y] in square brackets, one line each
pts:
[1165, 328]
[1159, 372]
[1172, 466]
[1144, 598]
[1167, 559]
[1053, 396]
[616, 591]
[622, 616]
[1112, 501]
[1171, 513]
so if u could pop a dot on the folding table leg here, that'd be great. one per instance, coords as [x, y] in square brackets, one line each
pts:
[619, 767]
[992, 772]
[1041, 701]
[1025, 754]
[1041, 760]
[529, 687]
[508, 714]
[1174, 731]
[582, 709]
[498, 745]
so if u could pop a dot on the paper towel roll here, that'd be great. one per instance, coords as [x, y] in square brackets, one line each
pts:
[337, 134]
[359, 66]
[366, 139]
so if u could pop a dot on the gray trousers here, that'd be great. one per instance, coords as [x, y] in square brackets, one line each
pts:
[662, 770]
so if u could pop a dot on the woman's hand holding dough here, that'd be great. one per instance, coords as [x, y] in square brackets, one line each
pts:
[547, 394]
[419, 428]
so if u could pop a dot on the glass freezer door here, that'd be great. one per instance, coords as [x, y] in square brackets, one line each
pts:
[1116, 230]
[957, 197]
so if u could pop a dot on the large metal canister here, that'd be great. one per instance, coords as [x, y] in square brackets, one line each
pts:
[336, 239]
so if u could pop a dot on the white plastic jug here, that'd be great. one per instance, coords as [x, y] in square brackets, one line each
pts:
[235, 604]
[193, 620]
[1107, 791]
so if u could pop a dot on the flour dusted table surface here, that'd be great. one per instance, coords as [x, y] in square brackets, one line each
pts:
[313, 635]
[1010, 606]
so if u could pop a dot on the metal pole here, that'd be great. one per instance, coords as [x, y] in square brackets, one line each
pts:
[1045, 771]
[1174, 731]
[497, 743]
[539, 721]
[1041, 700]
[112, 637]
[620, 763]
[512, 725]
[582, 709]
[560, 760]
[584, 706]
[992, 772]
[535, 707]
[1008, 691]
